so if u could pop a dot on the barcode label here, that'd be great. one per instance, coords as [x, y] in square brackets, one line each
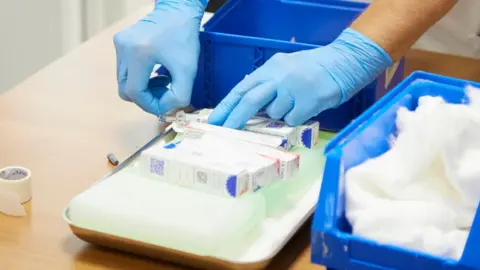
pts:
[282, 170]
[157, 166]
[201, 178]
[192, 134]
[253, 179]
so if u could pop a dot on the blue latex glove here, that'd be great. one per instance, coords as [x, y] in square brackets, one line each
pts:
[169, 36]
[300, 85]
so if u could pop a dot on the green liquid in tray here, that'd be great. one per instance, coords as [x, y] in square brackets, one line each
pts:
[281, 195]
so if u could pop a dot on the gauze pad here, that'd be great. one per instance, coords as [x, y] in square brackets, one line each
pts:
[423, 192]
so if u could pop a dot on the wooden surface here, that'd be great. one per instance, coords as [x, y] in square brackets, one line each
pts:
[63, 121]
[454, 66]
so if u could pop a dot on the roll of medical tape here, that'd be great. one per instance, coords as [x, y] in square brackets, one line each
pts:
[17, 180]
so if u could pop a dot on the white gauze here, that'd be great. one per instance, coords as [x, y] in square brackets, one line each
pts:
[421, 194]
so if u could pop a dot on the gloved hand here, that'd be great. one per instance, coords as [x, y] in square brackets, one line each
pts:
[300, 85]
[167, 36]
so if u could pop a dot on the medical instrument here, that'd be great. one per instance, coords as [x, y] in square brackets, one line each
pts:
[112, 159]
[182, 118]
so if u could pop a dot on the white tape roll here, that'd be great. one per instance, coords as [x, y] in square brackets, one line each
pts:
[17, 180]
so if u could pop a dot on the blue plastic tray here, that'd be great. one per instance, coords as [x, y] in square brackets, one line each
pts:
[243, 34]
[333, 245]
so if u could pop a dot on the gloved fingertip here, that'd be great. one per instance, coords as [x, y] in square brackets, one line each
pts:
[146, 102]
[122, 93]
[170, 100]
[231, 125]
[217, 117]
[234, 123]
[292, 120]
[213, 121]
[124, 96]
[223, 110]
[122, 85]
[274, 113]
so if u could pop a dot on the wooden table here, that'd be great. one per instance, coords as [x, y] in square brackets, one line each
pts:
[61, 123]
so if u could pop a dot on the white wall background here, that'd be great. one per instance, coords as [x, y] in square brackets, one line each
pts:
[33, 33]
[30, 37]
[457, 33]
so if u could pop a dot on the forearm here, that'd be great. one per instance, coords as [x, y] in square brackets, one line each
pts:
[395, 25]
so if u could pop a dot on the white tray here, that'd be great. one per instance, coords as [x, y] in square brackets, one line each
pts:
[276, 232]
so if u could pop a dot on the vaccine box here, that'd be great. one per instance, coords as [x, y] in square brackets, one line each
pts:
[263, 169]
[196, 130]
[193, 169]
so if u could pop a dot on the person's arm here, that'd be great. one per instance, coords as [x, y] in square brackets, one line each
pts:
[298, 86]
[395, 25]
[169, 36]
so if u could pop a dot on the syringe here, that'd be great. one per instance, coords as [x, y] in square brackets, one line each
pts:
[183, 118]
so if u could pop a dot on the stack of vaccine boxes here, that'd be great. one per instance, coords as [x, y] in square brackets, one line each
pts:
[230, 162]
[305, 135]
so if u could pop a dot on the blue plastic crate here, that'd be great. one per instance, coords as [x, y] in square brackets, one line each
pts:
[333, 245]
[243, 34]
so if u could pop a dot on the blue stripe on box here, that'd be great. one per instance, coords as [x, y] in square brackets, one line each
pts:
[307, 137]
[232, 185]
